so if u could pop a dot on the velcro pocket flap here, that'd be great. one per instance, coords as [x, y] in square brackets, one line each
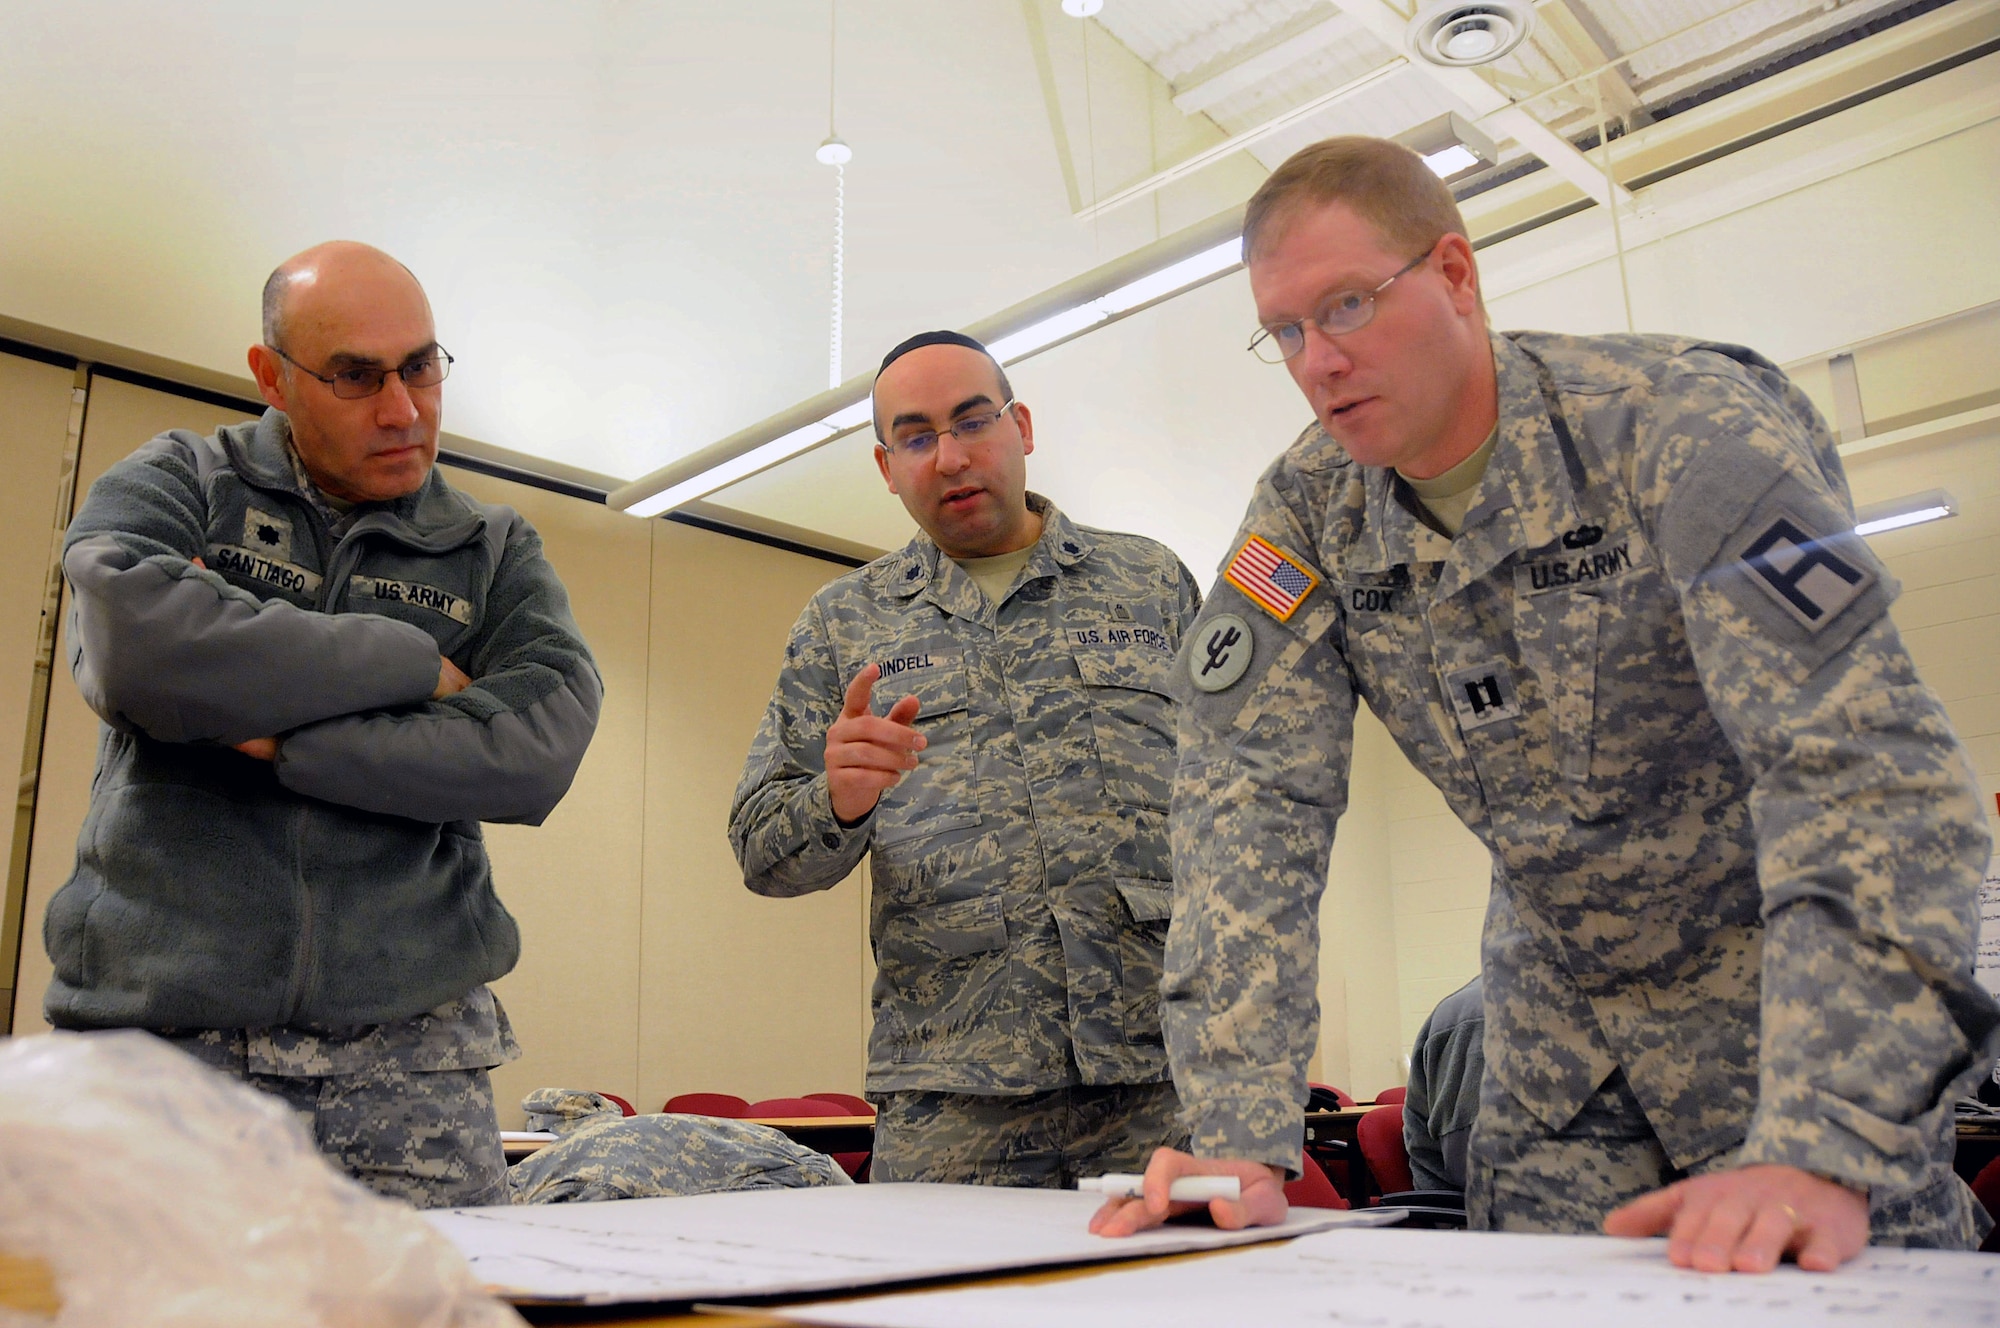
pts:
[963, 927]
[1148, 900]
[1138, 669]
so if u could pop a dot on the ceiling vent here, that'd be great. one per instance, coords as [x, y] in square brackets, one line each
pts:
[1457, 33]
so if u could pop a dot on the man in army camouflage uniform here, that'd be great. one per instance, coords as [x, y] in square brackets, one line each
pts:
[1012, 799]
[282, 870]
[1606, 593]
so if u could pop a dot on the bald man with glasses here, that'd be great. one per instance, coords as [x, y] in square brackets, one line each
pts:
[984, 715]
[320, 667]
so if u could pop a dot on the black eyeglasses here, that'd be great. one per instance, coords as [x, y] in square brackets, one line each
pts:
[1341, 312]
[968, 430]
[427, 369]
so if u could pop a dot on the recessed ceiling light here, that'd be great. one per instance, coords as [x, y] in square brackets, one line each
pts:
[1458, 33]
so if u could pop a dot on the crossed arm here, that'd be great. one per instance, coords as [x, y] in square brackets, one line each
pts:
[352, 708]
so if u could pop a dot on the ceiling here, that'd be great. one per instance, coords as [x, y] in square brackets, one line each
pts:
[616, 208]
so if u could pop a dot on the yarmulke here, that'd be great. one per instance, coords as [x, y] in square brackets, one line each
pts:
[923, 339]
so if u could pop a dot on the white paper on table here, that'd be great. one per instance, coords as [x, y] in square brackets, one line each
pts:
[782, 1242]
[1455, 1279]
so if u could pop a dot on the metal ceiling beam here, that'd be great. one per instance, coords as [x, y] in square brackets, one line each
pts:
[1585, 40]
[1261, 66]
[1493, 107]
[1237, 142]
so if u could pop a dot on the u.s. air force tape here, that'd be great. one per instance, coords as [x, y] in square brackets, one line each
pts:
[1221, 652]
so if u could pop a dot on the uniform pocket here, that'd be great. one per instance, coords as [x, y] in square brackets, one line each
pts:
[1132, 719]
[940, 794]
[1141, 944]
[941, 968]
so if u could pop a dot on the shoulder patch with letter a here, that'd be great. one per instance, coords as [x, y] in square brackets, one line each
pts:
[1271, 578]
[1806, 578]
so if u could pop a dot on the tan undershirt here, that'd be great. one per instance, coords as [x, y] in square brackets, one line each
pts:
[1448, 497]
[994, 575]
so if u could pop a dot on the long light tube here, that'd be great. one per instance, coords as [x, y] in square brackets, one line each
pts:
[1911, 510]
[1164, 269]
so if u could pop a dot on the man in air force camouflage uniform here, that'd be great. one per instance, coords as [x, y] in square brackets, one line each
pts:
[1606, 593]
[1021, 887]
[282, 870]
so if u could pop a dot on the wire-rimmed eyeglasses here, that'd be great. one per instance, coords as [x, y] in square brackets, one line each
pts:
[427, 368]
[1341, 312]
[968, 430]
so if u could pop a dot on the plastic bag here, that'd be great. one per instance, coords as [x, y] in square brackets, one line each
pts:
[164, 1194]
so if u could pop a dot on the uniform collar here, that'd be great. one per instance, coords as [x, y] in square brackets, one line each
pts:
[920, 567]
[1525, 501]
[435, 515]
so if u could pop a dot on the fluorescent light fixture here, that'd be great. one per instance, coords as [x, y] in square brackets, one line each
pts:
[860, 413]
[1047, 332]
[1168, 266]
[742, 467]
[1174, 277]
[1911, 510]
[1450, 146]
[1200, 267]
[1447, 162]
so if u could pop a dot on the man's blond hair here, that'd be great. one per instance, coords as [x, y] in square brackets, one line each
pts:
[1387, 185]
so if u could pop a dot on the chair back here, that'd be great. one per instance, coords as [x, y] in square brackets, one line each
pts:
[856, 1106]
[1312, 1189]
[795, 1106]
[623, 1105]
[1389, 1096]
[1380, 1135]
[707, 1104]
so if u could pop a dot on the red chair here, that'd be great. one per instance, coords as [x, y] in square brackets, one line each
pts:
[1312, 1189]
[1390, 1096]
[623, 1105]
[1380, 1135]
[708, 1104]
[1986, 1189]
[856, 1106]
[782, 1107]
[854, 1164]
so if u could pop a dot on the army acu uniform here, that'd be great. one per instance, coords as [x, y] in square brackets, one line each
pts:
[1021, 884]
[323, 925]
[1735, 841]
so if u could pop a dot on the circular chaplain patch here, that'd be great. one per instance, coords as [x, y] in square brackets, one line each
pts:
[1221, 653]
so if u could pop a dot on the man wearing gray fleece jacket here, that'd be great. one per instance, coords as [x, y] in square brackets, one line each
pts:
[320, 668]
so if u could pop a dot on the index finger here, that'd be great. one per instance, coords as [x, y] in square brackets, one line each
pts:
[855, 704]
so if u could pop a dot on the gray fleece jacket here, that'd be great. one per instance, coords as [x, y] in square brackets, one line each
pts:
[347, 883]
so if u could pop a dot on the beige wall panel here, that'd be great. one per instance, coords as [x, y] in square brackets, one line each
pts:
[573, 881]
[120, 417]
[1360, 1044]
[34, 425]
[739, 994]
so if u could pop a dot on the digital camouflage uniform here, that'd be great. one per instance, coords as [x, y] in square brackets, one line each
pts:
[603, 1154]
[1021, 883]
[406, 1108]
[1735, 841]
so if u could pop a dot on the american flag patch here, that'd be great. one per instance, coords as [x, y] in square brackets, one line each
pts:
[1277, 583]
